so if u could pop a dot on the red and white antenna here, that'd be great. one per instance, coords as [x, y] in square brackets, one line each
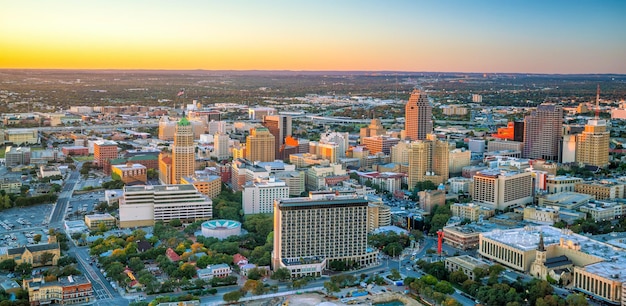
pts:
[598, 102]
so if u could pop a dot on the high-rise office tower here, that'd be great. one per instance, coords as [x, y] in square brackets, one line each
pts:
[260, 145]
[280, 127]
[543, 133]
[374, 129]
[183, 151]
[418, 116]
[428, 161]
[592, 145]
[310, 233]
[220, 143]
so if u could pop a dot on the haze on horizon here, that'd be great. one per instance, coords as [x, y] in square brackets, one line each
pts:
[448, 36]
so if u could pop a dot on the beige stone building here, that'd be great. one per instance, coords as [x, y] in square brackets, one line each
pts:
[428, 199]
[374, 129]
[467, 264]
[32, 254]
[601, 190]
[557, 184]
[596, 267]
[541, 214]
[471, 211]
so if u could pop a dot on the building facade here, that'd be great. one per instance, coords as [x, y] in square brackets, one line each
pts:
[280, 127]
[309, 233]
[543, 133]
[143, 205]
[260, 145]
[592, 145]
[183, 151]
[130, 173]
[500, 189]
[418, 116]
[260, 194]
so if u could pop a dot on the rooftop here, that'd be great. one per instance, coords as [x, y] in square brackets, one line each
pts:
[527, 238]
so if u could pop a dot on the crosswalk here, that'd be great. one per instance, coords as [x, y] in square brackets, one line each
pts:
[101, 294]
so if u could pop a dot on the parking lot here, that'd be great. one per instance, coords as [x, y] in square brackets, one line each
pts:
[93, 181]
[83, 204]
[19, 225]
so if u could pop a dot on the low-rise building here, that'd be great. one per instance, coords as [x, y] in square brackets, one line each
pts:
[568, 200]
[10, 185]
[471, 211]
[604, 210]
[209, 185]
[75, 151]
[93, 221]
[46, 171]
[130, 173]
[33, 254]
[218, 270]
[17, 156]
[541, 214]
[467, 264]
[601, 190]
[68, 290]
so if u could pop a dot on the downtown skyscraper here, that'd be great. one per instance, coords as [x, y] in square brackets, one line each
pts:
[543, 133]
[183, 151]
[280, 127]
[418, 116]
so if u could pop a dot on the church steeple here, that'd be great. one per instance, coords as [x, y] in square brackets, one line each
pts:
[541, 247]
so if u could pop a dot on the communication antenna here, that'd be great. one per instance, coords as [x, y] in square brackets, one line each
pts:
[598, 103]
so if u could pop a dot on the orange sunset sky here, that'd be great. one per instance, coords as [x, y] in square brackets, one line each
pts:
[466, 36]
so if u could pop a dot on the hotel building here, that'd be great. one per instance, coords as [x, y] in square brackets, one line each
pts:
[500, 189]
[311, 232]
[143, 205]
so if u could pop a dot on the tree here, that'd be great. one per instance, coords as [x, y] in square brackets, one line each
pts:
[331, 287]
[37, 238]
[250, 285]
[393, 249]
[46, 257]
[576, 300]
[102, 227]
[256, 273]
[24, 268]
[175, 223]
[458, 277]
[135, 264]
[232, 296]
[281, 274]
[395, 274]
[8, 265]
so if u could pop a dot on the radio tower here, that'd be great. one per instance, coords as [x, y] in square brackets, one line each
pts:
[598, 103]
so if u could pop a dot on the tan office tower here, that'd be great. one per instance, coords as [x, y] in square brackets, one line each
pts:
[312, 232]
[374, 129]
[428, 161]
[592, 145]
[280, 127]
[183, 151]
[418, 116]
[260, 145]
[543, 133]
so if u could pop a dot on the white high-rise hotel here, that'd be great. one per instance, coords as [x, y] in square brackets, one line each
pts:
[311, 232]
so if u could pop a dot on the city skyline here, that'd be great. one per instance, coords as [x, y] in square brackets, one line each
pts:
[446, 36]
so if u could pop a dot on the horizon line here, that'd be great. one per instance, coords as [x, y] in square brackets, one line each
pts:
[304, 71]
